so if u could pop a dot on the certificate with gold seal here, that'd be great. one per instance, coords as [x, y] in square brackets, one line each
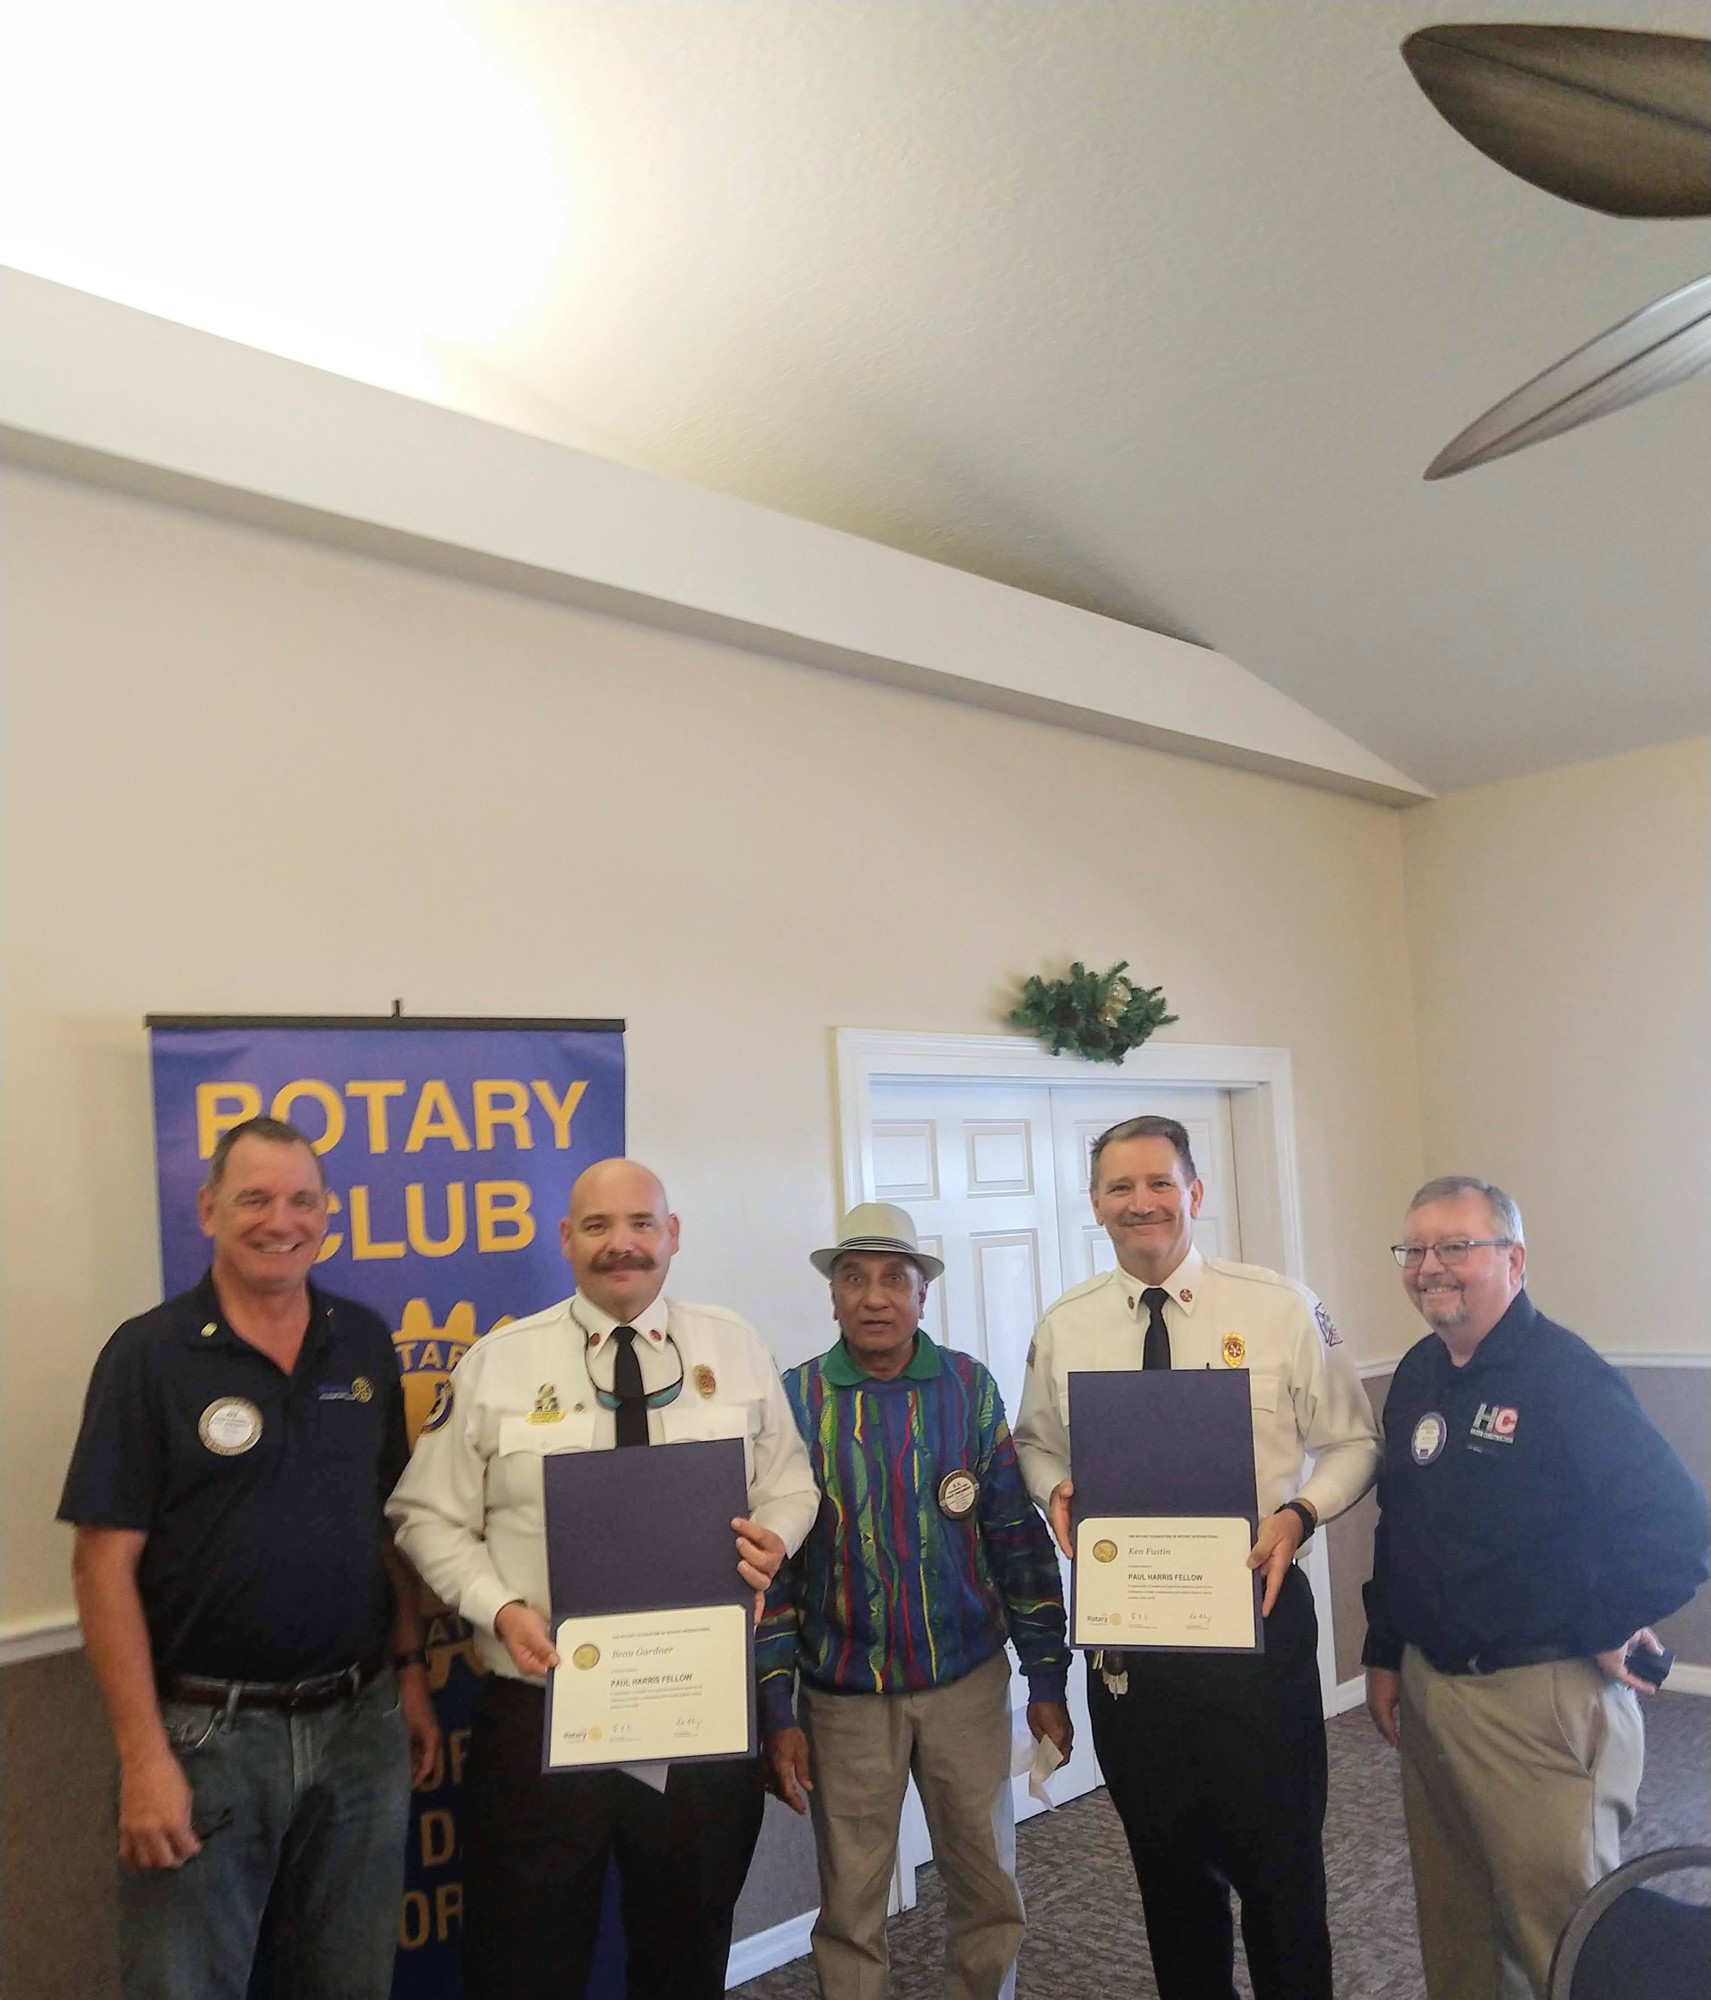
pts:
[1164, 1511]
[653, 1626]
[652, 1686]
[1174, 1580]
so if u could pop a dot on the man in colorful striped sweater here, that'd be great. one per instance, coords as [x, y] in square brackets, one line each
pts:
[926, 1557]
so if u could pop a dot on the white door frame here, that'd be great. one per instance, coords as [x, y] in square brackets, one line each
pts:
[1262, 1117]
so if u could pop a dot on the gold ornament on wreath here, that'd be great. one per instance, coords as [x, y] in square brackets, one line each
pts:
[1099, 1016]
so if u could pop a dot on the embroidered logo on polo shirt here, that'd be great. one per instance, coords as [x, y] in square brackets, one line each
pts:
[230, 1426]
[1496, 1422]
[359, 1391]
[1429, 1437]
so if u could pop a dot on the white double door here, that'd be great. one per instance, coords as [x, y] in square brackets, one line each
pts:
[995, 1177]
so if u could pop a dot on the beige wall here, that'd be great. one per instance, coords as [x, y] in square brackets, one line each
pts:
[1560, 931]
[249, 774]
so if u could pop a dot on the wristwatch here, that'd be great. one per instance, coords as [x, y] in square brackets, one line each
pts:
[415, 1657]
[1304, 1514]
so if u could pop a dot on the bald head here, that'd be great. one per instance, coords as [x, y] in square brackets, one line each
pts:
[619, 1236]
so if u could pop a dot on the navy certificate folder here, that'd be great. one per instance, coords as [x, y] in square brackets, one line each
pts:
[645, 1529]
[1163, 1441]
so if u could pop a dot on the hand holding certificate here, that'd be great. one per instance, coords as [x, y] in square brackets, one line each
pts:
[1164, 1511]
[651, 1621]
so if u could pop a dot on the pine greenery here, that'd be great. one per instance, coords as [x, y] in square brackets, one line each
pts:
[1098, 1016]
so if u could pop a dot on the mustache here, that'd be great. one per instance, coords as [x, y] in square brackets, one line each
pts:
[623, 1260]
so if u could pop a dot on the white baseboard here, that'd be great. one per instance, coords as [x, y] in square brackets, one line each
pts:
[1346, 1695]
[33, 1639]
[1689, 1680]
[769, 1949]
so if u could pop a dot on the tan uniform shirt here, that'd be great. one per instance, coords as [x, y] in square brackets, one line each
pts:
[1306, 1395]
[469, 1510]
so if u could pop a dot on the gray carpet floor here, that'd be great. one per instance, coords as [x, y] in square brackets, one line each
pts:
[1085, 1936]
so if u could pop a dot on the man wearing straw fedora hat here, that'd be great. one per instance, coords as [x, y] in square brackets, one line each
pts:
[926, 1557]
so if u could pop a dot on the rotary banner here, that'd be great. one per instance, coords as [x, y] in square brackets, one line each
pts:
[449, 1149]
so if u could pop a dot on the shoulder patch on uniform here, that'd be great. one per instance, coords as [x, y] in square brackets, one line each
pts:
[1327, 1326]
[441, 1412]
[1033, 1349]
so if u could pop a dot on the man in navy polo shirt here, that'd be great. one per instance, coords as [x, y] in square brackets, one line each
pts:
[255, 1638]
[1532, 1524]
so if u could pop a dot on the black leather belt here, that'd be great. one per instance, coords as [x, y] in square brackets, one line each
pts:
[1495, 1659]
[324, 1691]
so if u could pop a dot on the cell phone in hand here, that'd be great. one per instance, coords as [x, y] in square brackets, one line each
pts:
[1647, 1665]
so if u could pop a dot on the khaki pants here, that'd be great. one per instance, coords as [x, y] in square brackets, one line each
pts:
[1517, 1787]
[862, 1749]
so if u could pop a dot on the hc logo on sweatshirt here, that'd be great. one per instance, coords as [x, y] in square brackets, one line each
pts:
[1495, 1421]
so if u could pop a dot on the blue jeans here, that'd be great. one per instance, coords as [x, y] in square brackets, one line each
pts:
[318, 1804]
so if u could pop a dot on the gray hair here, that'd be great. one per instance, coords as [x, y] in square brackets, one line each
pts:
[1505, 1216]
[274, 1130]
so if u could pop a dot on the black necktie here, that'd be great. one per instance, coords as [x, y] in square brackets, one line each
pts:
[1156, 1353]
[632, 1412]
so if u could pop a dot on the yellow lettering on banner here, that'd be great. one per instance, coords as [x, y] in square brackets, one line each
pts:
[333, 1238]
[415, 1921]
[331, 1103]
[560, 1111]
[374, 1095]
[459, 1749]
[436, 1118]
[416, 1222]
[362, 1238]
[491, 1095]
[502, 1218]
[439, 1836]
[448, 1910]
[220, 1106]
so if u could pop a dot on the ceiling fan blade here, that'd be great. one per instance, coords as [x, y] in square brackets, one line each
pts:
[1660, 345]
[1613, 119]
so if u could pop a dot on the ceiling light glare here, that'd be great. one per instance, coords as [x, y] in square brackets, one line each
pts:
[360, 176]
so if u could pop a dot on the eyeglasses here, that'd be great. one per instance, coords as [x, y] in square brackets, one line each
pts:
[1451, 1254]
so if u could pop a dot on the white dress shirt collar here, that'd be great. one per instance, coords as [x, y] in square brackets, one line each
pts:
[597, 1324]
[1182, 1284]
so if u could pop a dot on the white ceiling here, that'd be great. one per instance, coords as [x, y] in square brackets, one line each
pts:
[1157, 306]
